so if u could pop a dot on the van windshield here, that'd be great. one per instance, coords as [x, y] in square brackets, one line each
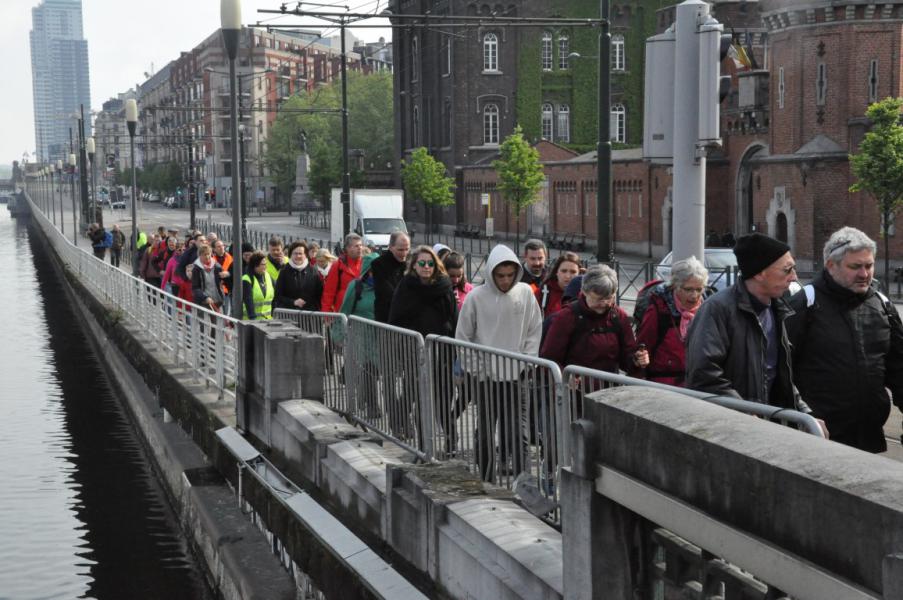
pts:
[383, 226]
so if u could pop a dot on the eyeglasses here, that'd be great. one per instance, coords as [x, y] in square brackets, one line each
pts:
[426, 263]
[691, 290]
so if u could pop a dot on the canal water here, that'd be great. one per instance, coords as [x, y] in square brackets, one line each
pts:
[81, 512]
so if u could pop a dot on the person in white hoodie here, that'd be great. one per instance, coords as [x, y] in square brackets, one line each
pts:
[503, 314]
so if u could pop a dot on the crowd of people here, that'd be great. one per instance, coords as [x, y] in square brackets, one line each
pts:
[832, 349]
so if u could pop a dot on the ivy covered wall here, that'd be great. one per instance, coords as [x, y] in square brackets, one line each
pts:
[578, 84]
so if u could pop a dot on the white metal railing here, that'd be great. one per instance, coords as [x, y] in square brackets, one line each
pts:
[331, 327]
[200, 340]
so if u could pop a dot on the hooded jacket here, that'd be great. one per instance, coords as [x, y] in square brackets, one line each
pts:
[847, 353]
[199, 288]
[424, 308]
[505, 320]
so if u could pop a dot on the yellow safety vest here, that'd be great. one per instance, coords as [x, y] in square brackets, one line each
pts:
[274, 270]
[263, 303]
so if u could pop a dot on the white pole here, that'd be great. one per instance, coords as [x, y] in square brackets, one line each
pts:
[689, 164]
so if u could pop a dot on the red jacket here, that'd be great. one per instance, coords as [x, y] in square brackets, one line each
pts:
[553, 294]
[342, 273]
[660, 330]
[579, 336]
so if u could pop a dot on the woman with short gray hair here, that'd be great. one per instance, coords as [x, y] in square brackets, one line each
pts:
[664, 323]
[593, 331]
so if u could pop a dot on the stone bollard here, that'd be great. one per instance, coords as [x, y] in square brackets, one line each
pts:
[277, 362]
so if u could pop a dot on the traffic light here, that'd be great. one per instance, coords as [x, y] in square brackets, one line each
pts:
[714, 45]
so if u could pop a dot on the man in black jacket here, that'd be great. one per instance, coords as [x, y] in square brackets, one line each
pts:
[848, 344]
[387, 271]
[737, 344]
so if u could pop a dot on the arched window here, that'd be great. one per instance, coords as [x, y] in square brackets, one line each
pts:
[546, 54]
[491, 124]
[564, 49]
[564, 123]
[617, 53]
[547, 121]
[618, 123]
[490, 52]
[415, 58]
[415, 128]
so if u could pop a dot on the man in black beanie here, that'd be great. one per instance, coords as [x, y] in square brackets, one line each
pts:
[737, 344]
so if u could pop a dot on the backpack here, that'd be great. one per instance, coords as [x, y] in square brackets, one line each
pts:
[107, 239]
[642, 300]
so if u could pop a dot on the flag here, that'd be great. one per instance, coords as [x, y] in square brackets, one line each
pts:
[739, 56]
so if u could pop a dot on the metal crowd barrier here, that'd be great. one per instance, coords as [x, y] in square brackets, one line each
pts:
[495, 410]
[332, 327]
[200, 340]
[385, 385]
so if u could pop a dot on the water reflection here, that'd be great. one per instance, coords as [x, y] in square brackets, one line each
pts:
[81, 513]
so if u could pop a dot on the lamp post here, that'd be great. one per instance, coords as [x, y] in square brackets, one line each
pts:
[90, 148]
[241, 172]
[59, 168]
[230, 20]
[346, 174]
[74, 203]
[604, 220]
[53, 169]
[83, 168]
[131, 119]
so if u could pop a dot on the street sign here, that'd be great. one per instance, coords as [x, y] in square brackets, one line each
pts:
[484, 199]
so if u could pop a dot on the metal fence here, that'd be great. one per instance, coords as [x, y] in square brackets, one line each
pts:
[494, 409]
[197, 339]
[332, 327]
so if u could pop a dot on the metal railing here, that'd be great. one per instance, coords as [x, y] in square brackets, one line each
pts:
[332, 327]
[202, 341]
[385, 385]
[495, 410]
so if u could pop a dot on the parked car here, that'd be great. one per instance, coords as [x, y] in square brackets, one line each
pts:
[720, 262]
[119, 203]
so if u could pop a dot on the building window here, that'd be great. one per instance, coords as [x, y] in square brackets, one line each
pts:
[618, 123]
[821, 85]
[564, 49]
[617, 53]
[415, 58]
[781, 87]
[491, 124]
[546, 51]
[547, 121]
[415, 128]
[490, 52]
[873, 81]
[564, 123]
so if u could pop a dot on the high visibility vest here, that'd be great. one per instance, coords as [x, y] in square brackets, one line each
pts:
[263, 302]
[142, 240]
[274, 269]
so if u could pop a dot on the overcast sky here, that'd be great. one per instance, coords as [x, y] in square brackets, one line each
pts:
[124, 39]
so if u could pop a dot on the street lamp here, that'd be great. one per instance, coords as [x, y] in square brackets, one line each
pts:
[74, 203]
[242, 189]
[230, 20]
[131, 119]
[90, 148]
[59, 170]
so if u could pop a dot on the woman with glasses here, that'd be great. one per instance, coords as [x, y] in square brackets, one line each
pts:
[666, 321]
[424, 299]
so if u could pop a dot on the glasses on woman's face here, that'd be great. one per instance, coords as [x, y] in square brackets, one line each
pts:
[426, 263]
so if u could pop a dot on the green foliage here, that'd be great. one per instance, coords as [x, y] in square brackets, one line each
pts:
[878, 166]
[520, 173]
[425, 179]
[369, 129]
[161, 177]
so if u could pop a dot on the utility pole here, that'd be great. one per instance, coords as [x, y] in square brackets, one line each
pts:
[605, 243]
[191, 183]
[346, 174]
[83, 170]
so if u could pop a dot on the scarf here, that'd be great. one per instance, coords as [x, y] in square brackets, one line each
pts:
[300, 267]
[686, 316]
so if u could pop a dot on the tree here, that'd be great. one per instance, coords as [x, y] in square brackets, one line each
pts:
[878, 166]
[369, 101]
[520, 175]
[425, 178]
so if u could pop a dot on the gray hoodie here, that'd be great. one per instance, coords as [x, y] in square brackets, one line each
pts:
[506, 321]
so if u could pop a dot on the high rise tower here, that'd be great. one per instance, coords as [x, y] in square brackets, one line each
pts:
[59, 71]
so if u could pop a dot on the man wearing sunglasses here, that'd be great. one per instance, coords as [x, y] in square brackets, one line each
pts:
[848, 344]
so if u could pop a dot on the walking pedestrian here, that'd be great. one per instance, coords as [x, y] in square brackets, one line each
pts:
[257, 289]
[388, 271]
[299, 286]
[117, 245]
[206, 283]
[345, 270]
[847, 341]
[550, 293]
[534, 267]
[276, 259]
[454, 266]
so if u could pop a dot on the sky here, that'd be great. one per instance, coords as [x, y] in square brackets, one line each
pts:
[125, 40]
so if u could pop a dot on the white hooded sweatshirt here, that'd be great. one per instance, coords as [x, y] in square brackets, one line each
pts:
[506, 321]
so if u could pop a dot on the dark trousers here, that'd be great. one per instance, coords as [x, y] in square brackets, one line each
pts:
[99, 252]
[500, 418]
[115, 256]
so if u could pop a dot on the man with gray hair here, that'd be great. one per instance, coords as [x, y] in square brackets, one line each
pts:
[848, 344]
[345, 270]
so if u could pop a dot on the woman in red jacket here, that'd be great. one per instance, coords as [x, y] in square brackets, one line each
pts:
[663, 328]
[549, 294]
